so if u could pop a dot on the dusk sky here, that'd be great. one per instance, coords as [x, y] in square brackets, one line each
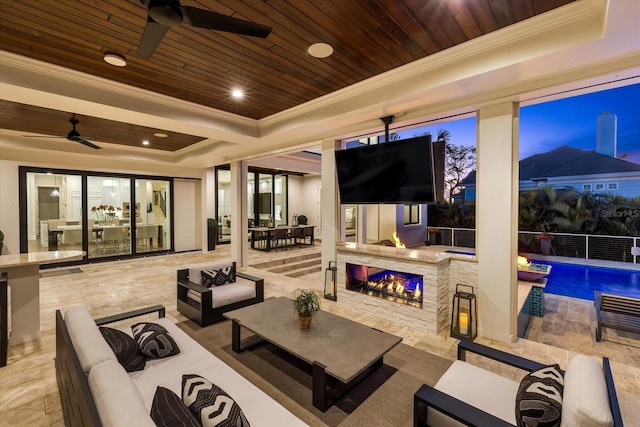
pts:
[570, 121]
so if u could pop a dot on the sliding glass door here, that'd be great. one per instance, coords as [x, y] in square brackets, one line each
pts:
[104, 215]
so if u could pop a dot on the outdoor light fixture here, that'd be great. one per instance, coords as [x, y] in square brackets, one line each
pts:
[330, 281]
[464, 323]
[320, 50]
[55, 192]
[114, 59]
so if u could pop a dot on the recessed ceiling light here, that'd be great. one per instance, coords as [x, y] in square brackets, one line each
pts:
[160, 135]
[114, 59]
[320, 50]
[237, 93]
[145, 142]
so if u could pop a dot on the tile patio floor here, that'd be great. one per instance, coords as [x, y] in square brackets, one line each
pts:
[28, 390]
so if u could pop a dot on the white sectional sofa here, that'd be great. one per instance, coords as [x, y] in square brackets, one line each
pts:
[96, 390]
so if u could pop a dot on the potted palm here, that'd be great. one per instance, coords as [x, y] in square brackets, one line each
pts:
[306, 305]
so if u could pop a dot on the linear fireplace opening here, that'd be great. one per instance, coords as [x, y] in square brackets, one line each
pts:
[397, 286]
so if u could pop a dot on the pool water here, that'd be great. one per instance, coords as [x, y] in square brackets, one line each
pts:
[580, 281]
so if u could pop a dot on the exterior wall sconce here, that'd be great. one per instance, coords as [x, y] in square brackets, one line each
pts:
[464, 317]
[330, 277]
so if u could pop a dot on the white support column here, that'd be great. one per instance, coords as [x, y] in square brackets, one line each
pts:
[239, 216]
[361, 224]
[329, 202]
[209, 196]
[497, 220]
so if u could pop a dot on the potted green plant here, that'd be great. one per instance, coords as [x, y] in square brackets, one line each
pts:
[306, 305]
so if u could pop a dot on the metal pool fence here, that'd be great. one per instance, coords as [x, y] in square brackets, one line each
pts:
[584, 246]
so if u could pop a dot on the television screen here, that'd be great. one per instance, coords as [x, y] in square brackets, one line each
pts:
[393, 172]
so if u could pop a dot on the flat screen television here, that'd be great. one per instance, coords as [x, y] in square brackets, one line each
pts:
[393, 172]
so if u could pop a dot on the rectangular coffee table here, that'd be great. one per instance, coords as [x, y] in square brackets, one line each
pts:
[342, 352]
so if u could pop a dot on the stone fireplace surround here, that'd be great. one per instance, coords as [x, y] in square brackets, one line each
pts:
[440, 271]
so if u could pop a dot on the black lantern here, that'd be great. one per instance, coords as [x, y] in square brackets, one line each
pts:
[330, 281]
[464, 317]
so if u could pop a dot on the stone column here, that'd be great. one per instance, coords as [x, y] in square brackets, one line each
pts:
[497, 220]
[329, 204]
[239, 217]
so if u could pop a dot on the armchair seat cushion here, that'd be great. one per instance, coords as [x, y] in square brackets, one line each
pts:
[478, 387]
[227, 294]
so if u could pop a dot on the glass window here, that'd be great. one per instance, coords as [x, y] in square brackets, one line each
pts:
[586, 187]
[599, 187]
[54, 211]
[612, 186]
[280, 199]
[224, 204]
[411, 214]
[152, 215]
[265, 207]
[109, 216]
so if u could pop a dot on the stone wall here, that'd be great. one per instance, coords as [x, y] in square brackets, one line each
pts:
[434, 315]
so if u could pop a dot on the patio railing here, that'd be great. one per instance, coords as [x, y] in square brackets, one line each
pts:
[584, 246]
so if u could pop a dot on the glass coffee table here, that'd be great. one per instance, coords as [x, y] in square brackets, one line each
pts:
[341, 352]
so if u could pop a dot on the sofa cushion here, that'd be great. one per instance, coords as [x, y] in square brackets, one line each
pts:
[117, 399]
[168, 410]
[195, 271]
[87, 340]
[154, 341]
[210, 404]
[218, 277]
[125, 348]
[585, 400]
[539, 398]
[225, 295]
[470, 383]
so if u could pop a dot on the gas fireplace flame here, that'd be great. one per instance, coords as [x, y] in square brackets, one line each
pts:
[397, 241]
[523, 261]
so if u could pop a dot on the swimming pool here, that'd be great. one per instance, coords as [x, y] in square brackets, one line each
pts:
[580, 281]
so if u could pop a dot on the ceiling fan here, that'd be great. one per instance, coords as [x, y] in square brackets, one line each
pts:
[164, 14]
[73, 135]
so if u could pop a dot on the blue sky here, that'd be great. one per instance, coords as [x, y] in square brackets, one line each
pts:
[569, 121]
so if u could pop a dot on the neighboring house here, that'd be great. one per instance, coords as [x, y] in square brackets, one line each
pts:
[572, 167]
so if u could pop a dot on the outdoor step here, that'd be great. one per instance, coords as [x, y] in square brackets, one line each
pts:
[287, 260]
[304, 271]
[290, 266]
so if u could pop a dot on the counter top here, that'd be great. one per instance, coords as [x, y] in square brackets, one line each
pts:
[418, 255]
[20, 260]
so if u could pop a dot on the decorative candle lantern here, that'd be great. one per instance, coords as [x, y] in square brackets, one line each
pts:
[330, 281]
[464, 318]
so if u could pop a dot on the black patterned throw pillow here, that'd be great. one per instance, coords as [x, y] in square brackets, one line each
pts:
[539, 398]
[154, 341]
[218, 277]
[210, 404]
[168, 410]
[125, 348]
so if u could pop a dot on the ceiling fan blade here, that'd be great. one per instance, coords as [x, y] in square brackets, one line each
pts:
[43, 136]
[87, 143]
[151, 38]
[214, 21]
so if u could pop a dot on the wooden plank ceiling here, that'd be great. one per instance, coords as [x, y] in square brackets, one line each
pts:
[369, 37]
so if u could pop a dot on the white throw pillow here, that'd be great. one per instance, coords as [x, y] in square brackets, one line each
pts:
[116, 397]
[88, 342]
[585, 401]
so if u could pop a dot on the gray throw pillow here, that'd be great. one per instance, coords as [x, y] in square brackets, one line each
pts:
[154, 341]
[539, 398]
[210, 404]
